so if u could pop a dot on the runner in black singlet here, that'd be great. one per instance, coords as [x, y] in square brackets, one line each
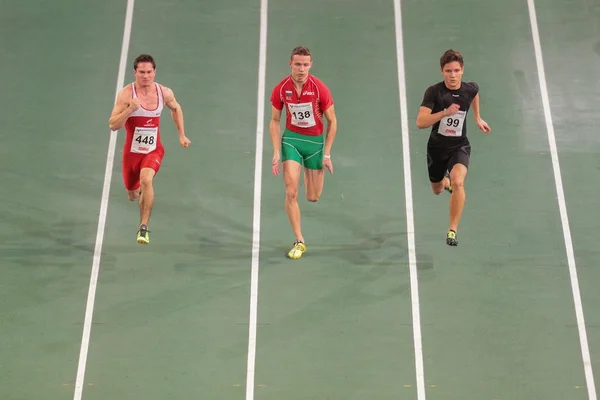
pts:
[444, 108]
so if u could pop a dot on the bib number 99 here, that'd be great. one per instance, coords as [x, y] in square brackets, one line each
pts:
[454, 122]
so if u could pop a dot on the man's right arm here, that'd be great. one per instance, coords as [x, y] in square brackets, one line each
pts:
[275, 129]
[425, 119]
[121, 111]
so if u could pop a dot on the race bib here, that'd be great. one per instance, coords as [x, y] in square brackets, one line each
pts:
[144, 140]
[453, 124]
[302, 115]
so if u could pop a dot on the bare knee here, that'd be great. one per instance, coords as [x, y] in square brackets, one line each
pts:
[146, 177]
[145, 183]
[437, 188]
[457, 177]
[291, 193]
[458, 183]
[313, 193]
[133, 194]
[314, 184]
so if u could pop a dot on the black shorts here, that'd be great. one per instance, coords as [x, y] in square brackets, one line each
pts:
[442, 158]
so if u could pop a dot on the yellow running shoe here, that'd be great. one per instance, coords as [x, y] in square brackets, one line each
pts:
[451, 238]
[142, 235]
[297, 251]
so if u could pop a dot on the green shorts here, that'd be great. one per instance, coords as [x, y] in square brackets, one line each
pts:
[305, 150]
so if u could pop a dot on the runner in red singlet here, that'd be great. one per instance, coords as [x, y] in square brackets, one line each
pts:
[138, 108]
[304, 144]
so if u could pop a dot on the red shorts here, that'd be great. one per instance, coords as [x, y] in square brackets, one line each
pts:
[133, 163]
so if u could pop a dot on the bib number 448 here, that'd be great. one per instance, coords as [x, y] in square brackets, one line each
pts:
[144, 140]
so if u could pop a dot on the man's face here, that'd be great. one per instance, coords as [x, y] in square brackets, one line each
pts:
[452, 73]
[144, 74]
[300, 67]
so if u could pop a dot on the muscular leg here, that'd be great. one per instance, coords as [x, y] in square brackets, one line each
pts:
[314, 179]
[436, 167]
[147, 194]
[131, 175]
[457, 199]
[291, 177]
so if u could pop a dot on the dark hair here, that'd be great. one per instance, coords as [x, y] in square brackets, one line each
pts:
[449, 56]
[301, 51]
[144, 58]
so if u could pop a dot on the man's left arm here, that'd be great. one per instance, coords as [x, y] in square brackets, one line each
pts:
[331, 130]
[475, 107]
[177, 115]
[477, 115]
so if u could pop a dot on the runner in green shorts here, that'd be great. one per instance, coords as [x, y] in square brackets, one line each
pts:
[305, 150]
[306, 100]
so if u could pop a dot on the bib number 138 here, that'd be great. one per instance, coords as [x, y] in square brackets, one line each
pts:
[302, 115]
